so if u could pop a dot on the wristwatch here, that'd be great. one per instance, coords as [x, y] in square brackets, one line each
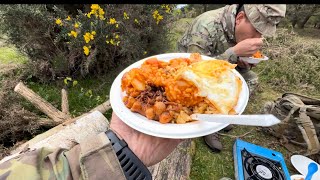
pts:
[131, 165]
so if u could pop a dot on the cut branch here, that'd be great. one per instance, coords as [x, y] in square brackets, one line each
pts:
[40, 103]
[64, 102]
[47, 122]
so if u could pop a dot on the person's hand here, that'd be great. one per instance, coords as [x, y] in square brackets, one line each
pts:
[248, 47]
[149, 149]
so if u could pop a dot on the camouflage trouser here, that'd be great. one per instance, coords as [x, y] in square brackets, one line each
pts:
[250, 77]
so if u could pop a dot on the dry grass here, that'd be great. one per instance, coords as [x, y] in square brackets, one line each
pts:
[294, 64]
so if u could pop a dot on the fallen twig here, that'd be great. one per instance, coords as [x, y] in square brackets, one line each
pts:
[240, 136]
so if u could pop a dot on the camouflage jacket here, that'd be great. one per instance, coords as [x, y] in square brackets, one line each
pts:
[212, 34]
[94, 158]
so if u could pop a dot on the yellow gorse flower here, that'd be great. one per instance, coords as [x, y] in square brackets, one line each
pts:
[76, 25]
[86, 50]
[97, 11]
[73, 33]
[136, 21]
[89, 36]
[101, 14]
[95, 7]
[112, 41]
[167, 9]
[112, 21]
[86, 37]
[125, 15]
[157, 16]
[59, 22]
[116, 36]
[68, 18]
[145, 52]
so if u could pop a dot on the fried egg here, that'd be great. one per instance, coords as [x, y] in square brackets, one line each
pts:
[215, 81]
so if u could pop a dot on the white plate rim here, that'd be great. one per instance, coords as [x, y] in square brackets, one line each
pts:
[253, 60]
[154, 128]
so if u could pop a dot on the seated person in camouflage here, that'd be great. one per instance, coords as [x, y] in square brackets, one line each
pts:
[231, 32]
[94, 158]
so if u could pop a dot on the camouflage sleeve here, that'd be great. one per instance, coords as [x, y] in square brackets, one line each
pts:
[94, 158]
[199, 43]
[229, 55]
[204, 43]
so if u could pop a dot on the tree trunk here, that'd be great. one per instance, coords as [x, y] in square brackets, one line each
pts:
[302, 23]
[294, 21]
[204, 8]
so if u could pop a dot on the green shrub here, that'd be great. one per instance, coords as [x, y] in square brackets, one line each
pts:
[59, 43]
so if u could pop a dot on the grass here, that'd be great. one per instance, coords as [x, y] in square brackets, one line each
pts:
[205, 164]
[10, 55]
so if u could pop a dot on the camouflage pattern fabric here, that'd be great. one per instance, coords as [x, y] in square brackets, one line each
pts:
[93, 158]
[300, 116]
[265, 17]
[212, 34]
[250, 77]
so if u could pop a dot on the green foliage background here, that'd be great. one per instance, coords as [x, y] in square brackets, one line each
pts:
[54, 53]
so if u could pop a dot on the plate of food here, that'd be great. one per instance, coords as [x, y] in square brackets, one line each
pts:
[157, 95]
[255, 58]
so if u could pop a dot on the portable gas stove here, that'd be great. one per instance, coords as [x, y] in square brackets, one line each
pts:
[252, 162]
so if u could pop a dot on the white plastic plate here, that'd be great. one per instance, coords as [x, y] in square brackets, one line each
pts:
[252, 60]
[174, 131]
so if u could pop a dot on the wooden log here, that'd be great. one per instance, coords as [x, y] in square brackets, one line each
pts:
[104, 107]
[64, 102]
[177, 165]
[47, 122]
[66, 136]
[40, 103]
[56, 129]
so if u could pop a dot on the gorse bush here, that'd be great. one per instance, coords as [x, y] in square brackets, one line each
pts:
[59, 43]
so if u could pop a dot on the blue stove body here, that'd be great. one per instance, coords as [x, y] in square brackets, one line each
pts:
[253, 162]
